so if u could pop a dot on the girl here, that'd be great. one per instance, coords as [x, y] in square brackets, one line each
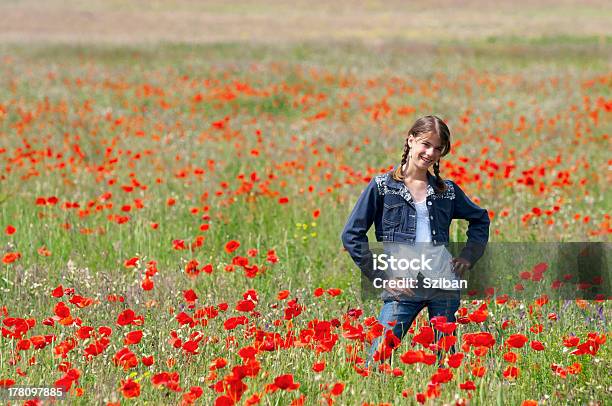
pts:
[410, 205]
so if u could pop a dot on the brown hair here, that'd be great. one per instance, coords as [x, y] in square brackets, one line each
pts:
[426, 125]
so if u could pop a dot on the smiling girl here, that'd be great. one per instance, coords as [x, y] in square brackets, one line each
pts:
[410, 206]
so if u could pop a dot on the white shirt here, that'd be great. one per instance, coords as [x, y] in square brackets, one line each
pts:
[423, 229]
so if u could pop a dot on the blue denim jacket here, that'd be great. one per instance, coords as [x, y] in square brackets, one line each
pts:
[388, 205]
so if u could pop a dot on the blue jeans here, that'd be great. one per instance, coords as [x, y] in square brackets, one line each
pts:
[438, 302]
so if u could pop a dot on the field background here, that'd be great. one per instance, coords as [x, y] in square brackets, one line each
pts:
[164, 130]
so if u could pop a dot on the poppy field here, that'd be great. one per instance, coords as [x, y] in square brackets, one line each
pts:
[170, 221]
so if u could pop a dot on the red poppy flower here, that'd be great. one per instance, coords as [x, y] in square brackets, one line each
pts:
[105, 331]
[133, 337]
[191, 268]
[571, 341]
[217, 363]
[283, 382]
[467, 385]
[482, 339]
[337, 389]
[240, 261]
[510, 357]
[591, 345]
[125, 358]
[443, 375]
[178, 245]
[234, 322]
[58, 292]
[511, 372]
[11, 257]
[231, 246]
[516, 340]
[247, 353]
[194, 393]
[224, 400]
[191, 347]
[558, 370]
[245, 306]
[61, 310]
[425, 337]
[540, 268]
[250, 294]
[501, 299]
[318, 366]
[44, 252]
[67, 380]
[147, 284]
[131, 263]
[389, 343]
[293, 309]
[444, 327]
[190, 296]
[536, 328]
[412, 357]
[168, 379]
[183, 318]
[23, 345]
[446, 342]
[481, 351]
[271, 257]
[130, 389]
[479, 315]
[542, 300]
[454, 361]
[126, 317]
[479, 371]
[575, 368]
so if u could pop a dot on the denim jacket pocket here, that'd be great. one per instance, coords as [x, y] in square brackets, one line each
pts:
[393, 213]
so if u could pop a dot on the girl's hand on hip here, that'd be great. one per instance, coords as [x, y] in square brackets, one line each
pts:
[460, 265]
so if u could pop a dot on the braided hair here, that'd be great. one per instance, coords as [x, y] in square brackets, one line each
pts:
[425, 125]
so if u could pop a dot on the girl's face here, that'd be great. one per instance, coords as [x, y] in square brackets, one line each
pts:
[425, 150]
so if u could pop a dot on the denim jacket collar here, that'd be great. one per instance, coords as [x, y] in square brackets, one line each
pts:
[395, 184]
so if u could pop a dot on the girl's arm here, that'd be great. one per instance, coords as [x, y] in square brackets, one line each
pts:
[478, 229]
[354, 236]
